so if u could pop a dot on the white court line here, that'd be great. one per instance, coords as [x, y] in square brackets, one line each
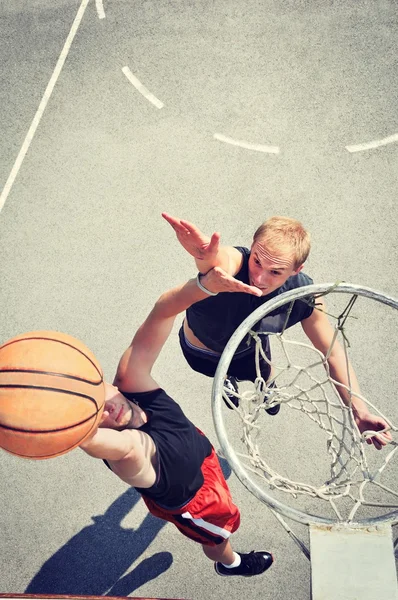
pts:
[247, 145]
[141, 88]
[43, 104]
[100, 9]
[375, 144]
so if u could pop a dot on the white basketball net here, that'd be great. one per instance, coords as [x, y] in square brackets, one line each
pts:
[311, 390]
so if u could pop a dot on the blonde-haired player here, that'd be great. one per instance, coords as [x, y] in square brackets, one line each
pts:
[272, 265]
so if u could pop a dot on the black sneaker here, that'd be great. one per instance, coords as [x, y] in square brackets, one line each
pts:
[230, 383]
[274, 409]
[253, 563]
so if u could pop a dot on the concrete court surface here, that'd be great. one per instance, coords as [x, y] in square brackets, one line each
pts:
[84, 249]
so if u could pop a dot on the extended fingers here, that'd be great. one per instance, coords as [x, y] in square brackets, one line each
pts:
[190, 226]
[238, 286]
[376, 443]
[218, 280]
[104, 416]
[250, 289]
[174, 222]
[185, 228]
[214, 242]
[379, 440]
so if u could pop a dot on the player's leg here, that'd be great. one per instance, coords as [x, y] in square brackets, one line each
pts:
[213, 510]
[221, 553]
[209, 519]
[266, 372]
[243, 368]
[228, 563]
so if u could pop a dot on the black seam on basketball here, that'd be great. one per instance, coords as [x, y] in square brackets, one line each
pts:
[44, 456]
[46, 388]
[53, 340]
[41, 431]
[39, 372]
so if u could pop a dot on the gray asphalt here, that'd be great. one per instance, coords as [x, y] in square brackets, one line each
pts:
[84, 248]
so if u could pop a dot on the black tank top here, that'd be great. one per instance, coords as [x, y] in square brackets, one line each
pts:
[214, 319]
[180, 447]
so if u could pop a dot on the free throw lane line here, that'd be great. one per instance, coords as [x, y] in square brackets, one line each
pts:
[375, 144]
[242, 144]
[141, 88]
[43, 103]
[100, 9]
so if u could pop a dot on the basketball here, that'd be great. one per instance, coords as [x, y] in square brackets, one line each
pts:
[52, 394]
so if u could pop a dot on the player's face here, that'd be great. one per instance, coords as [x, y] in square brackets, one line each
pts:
[268, 270]
[119, 408]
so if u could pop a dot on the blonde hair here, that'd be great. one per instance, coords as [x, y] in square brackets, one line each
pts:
[285, 234]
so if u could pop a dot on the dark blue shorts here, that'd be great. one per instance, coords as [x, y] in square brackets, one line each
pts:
[242, 366]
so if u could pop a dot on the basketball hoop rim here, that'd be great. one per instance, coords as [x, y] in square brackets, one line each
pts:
[218, 382]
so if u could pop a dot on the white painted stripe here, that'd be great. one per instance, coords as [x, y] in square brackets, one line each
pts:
[247, 145]
[141, 88]
[208, 526]
[100, 9]
[43, 104]
[375, 144]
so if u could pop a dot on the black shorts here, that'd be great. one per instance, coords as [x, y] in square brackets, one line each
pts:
[242, 365]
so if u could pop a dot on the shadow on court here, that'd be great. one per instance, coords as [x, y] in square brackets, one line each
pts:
[226, 469]
[94, 561]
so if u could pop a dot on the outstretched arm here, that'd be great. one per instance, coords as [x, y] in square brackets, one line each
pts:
[127, 449]
[320, 332]
[110, 444]
[206, 250]
[135, 366]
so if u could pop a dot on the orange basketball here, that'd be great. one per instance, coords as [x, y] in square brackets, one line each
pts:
[52, 394]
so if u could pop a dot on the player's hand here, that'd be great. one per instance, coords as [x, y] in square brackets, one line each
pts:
[104, 417]
[371, 423]
[218, 280]
[199, 245]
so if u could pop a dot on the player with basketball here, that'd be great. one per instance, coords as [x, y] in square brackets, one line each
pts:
[271, 266]
[147, 441]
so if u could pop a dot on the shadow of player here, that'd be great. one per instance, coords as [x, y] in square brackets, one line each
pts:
[224, 464]
[94, 561]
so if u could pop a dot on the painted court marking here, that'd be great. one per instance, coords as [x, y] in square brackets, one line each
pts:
[100, 9]
[141, 88]
[375, 144]
[247, 145]
[43, 103]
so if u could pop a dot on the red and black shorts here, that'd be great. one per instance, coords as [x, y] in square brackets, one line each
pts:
[211, 516]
